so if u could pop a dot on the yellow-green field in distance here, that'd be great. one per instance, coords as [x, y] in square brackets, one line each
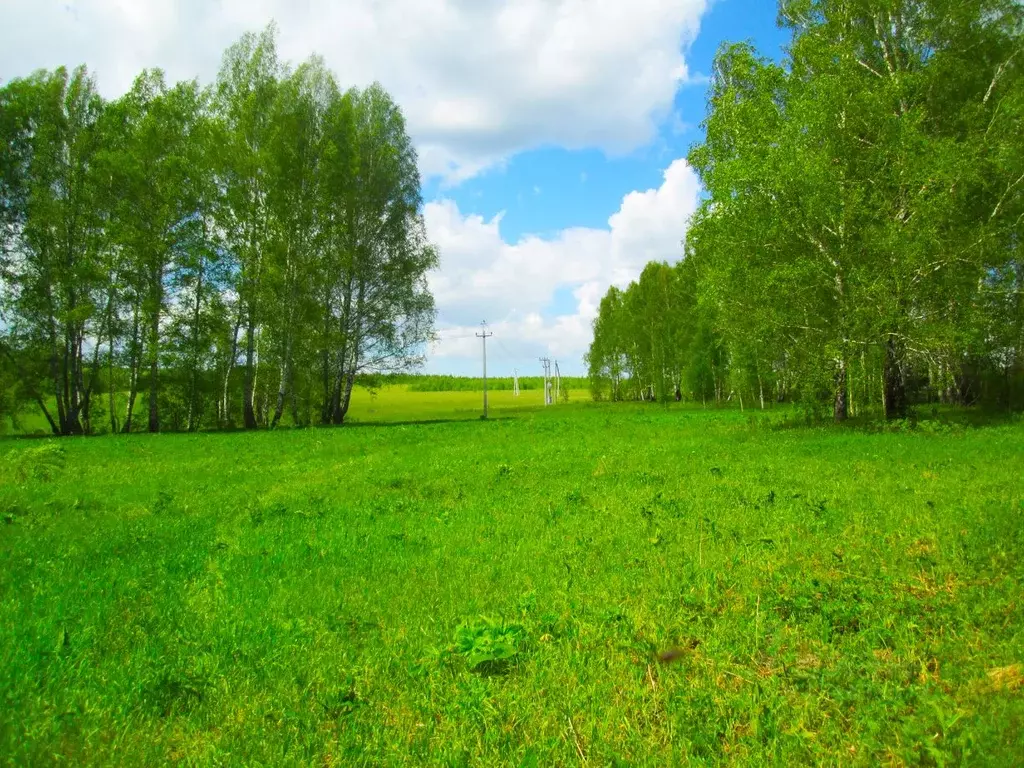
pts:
[397, 403]
[388, 404]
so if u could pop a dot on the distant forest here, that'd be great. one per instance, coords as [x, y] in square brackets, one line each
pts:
[185, 257]
[859, 248]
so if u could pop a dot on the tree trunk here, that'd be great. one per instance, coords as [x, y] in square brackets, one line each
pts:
[194, 352]
[226, 401]
[65, 382]
[346, 397]
[851, 390]
[62, 420]
[55, 373]
[337, 414]
[327, 407]
[865, 398]
[296, 420]
[894, 386]
[91, 386]
[74, 382]
[133, 372]
[49, 419]
[326, 404]
[69, 380]
[325, 364]
[260, 404]
[249, 415]
[80, 385]
[110, 374]
[154, 370]
[133, 391]
[154, 411]
[282, 388]
[840, 409]
[338, 394]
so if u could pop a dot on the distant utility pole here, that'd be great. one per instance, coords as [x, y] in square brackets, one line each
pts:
[558, 382]
[546, 362]
[484, 336]
[515, 382]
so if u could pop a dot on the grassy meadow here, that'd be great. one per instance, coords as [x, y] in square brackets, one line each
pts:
[581, 584]
[389, 404]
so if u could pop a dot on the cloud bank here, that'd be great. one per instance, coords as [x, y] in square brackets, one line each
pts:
[479, 80]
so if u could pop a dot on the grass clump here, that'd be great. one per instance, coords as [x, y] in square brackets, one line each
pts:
[489, 646]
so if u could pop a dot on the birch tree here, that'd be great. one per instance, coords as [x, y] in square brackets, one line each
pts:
[245, 93]
[52, 287]
[383, 310]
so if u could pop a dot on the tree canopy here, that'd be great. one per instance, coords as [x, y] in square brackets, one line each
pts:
[859, 247]
[227, 253]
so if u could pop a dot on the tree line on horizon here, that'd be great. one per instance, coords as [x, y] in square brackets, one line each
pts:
[230, 255]
[859, 246]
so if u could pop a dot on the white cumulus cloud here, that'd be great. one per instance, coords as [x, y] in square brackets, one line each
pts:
[479, 80]
[512, 284]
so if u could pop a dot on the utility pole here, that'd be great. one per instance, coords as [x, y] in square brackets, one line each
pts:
[515, 382]
[558, 382]
[484, 336]
[546, 362]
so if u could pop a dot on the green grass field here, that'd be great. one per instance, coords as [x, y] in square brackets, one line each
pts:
[502, 592]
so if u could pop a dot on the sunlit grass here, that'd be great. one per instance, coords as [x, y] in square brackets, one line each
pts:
[396, 403]
[498, 593]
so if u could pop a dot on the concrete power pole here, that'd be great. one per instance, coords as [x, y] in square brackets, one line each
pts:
[484, 336]
[558, 382]
[546, 362]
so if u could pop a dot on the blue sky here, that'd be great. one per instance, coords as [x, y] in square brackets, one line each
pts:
[552, 134]
[584, 187]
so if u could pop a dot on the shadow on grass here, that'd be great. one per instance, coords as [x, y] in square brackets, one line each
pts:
[413, 422]
[287, 428]
[921, 418]
[32, 436]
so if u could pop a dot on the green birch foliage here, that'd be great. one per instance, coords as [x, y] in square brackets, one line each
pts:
[242, 253]
[859, 246]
